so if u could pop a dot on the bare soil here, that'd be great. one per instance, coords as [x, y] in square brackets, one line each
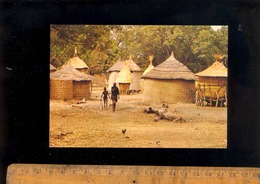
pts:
[86, 125]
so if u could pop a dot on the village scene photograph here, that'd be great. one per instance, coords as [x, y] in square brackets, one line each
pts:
[138, 86]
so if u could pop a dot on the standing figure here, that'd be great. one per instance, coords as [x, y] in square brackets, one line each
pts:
[105, 94]
[114, 95]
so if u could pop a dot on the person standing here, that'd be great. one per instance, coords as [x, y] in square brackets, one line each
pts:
[105, 94]
[114, 95]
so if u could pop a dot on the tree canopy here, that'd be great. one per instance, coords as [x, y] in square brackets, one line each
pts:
[100, 46]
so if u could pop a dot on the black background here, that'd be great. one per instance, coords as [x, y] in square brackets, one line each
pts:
[24, 92]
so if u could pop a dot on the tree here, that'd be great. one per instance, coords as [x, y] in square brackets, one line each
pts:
[101, 46]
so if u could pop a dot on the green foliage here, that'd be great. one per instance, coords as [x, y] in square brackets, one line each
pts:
[101, 46]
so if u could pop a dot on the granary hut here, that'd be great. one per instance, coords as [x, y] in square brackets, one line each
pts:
[136, 73]
[169, 82]
[113, 72]
[78, 63]
[148, 69]
[211, 84]
[124, 79]
[52, 68]
[68, 83]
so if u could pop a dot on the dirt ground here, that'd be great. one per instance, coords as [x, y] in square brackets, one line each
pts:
[85, 125]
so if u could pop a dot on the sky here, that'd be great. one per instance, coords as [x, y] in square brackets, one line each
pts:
[215, 28]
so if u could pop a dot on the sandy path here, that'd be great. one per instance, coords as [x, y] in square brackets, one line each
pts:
[84, 125]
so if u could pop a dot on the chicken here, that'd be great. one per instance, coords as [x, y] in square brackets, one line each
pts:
[123, 131]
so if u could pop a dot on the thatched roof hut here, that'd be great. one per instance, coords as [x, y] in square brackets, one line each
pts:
[171, 68]
[52, 68]
[124, 76]
[124, 79]
[148, 69]
[217, 69]
[212, 82]
[135, 70]
[130, 63]
[78, 63]
[169, 82]
[68, 83]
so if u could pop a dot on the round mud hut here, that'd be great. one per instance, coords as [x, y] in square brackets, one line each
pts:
[52, 69]
[78, 63]
[124, 79]
[113, 72]
[169, 82]
[211, 84]
[68, 83]
[136, 73]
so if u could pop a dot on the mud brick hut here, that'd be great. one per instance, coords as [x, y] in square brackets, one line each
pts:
[124, 79]
[68, 83]
[169, 82]
[78, 63]
[52, 68]
[211, 85]
[136, 73]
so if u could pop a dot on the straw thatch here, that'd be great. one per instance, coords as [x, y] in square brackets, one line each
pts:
[217, 69]
[116, 67]
[132, 65]
[124, 76]
[171, 68]
[68, 72]
[212, 83]
[119, 65]
[77, 63]
[150, 67]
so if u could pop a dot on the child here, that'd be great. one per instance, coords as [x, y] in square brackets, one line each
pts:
[105, 95]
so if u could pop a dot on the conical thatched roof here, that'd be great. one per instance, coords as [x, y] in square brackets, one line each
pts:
[77, 63]
[52, 68]
[124, 75]
[119, 65]
[171, 68]
[217, 69]
[116, 67]
[150, 67]
[68, 72]
[132, 65]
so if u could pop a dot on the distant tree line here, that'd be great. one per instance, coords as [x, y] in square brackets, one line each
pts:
[100, 46]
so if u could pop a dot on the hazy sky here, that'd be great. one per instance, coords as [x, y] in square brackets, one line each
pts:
[215, 28]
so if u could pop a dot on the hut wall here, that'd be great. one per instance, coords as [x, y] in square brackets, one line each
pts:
[81, 89]
[61, 89]
[123, 87]
[136, 81]
[168, 91]
[209, 85]
[213, 80]
[112, 79]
